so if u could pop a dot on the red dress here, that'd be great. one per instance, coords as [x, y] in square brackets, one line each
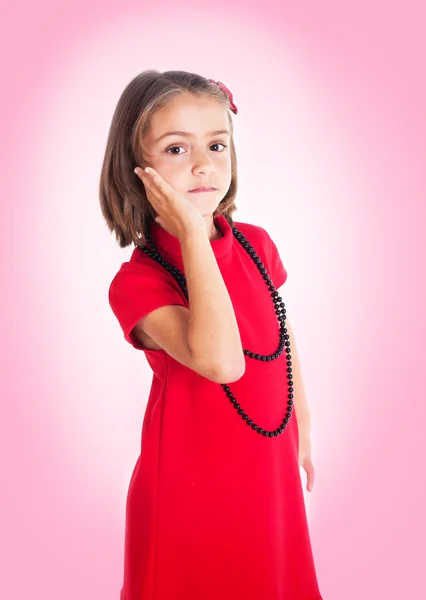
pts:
[215, 510]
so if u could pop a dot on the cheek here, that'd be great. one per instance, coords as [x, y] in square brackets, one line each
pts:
[225, 163]
[173, 174]
[165, 167]
[227, 169]
[175, 169]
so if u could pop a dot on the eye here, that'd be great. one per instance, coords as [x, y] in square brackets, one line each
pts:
[178, 153]
[219, 144]
[172, 148]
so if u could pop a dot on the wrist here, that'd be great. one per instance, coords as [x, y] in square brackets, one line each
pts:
[188, 233]
[304, 424]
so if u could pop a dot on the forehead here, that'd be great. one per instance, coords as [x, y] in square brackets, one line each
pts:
[189, 113]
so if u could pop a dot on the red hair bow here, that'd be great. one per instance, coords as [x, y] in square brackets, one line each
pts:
[227, 92]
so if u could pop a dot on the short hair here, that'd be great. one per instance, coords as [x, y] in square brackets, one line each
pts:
[123, 200]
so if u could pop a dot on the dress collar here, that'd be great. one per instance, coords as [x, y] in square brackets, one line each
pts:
[169, 244]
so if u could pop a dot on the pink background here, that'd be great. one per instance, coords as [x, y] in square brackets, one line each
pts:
[330, 138]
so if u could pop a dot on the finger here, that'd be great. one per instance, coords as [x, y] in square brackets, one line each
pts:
[160, 183]
[139, 172]
[153, 177]
[150, 179]
[149, 188]
[311, 477]
[143, 173]
[147, 182]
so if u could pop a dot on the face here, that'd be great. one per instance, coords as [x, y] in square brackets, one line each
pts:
[195, 156]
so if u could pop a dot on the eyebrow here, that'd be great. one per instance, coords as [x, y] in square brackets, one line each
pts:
[188, 134]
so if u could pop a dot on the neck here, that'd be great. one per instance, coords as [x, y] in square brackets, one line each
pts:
[213, 232]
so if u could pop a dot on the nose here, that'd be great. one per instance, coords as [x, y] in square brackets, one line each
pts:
[202, 163]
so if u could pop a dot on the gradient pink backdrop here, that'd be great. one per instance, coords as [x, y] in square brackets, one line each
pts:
[330, 138]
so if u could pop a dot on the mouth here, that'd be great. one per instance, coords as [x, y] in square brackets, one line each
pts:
[204, 188]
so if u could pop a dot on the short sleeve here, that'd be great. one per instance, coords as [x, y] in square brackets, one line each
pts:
[276, 267]
[137, 291]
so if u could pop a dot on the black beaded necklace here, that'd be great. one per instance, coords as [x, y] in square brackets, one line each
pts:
[279, 310]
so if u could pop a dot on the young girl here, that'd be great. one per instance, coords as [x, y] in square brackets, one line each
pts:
[215, 507]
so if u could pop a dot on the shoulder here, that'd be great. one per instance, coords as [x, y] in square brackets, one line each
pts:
[140, 264]
[254, 233]
[266, 248]
[139, 272]
[257, 236]
[130, 270]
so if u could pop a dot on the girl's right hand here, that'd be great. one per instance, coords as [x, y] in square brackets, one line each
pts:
[175, 213]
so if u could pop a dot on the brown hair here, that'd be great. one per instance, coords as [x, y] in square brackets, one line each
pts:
[123, 200]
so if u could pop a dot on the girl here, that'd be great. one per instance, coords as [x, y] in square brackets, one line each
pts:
[215, 506]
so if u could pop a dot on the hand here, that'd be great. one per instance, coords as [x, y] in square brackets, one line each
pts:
[305, 459]
[175, 213]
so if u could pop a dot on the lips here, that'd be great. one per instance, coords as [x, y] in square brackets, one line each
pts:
[203, 188]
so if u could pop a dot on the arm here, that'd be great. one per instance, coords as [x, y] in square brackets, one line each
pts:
[213, 334]
[300, 403]
[302, 414]
[206, 337]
